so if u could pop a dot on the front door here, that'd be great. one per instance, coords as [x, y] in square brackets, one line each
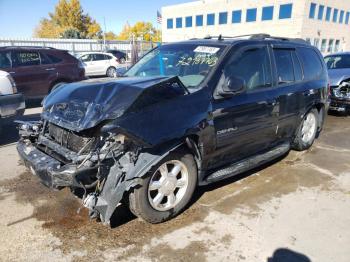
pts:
[245, 123]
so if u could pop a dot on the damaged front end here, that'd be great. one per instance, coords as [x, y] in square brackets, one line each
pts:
[340, 97]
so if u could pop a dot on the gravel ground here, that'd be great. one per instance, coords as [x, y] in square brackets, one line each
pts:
[297, 208]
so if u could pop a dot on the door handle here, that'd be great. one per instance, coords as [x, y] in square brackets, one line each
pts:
[50, 69]
[12, 72]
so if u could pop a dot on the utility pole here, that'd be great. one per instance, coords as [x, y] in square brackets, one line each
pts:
[104, 34]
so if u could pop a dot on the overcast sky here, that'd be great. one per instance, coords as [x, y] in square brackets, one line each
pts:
[18, 18]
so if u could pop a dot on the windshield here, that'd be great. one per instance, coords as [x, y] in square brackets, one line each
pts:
[191, 63]
[337, 61]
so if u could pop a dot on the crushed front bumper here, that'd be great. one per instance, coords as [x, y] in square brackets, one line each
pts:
[339, 105]
[50, 171]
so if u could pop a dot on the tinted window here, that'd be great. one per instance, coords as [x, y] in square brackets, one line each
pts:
[49, 59]
[98, 57]
[267, 13]
[312, 10]
[320, 12]
[284, 65]
[251, 15]
[210, 19]
[341, 16]
[107, 57]
[222, 18]
[328, 13]
[298, 72]
[170, 23]
[236, 16]
[5, 61]
[311, 63]
[335, 15]
[26, 58]
[256, 75]
[179, 22]
[86, 58]
[189, 21]
[285, 11]
[337, 61]
[199, 20]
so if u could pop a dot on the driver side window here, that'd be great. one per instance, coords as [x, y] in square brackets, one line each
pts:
[253, 66]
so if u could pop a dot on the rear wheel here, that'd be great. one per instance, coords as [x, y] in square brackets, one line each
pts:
[306, 132]
[167, 189]
[122, 60]
[111, 72]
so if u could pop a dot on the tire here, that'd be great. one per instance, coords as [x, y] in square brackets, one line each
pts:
[122, 60]
[111, 72]
[140, 198]
[55, 86]
[306, 132]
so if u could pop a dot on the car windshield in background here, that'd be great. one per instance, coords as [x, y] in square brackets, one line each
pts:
[337, 61]
[191, 63]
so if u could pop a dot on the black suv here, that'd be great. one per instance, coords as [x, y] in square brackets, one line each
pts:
[121, 56]
[187, 114]
[38, 70]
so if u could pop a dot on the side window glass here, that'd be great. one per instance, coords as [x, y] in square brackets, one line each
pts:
[44, 59]
[298, 72]
[98, 57]
[23, 58]
[284, 65]
[5, 61]
[107, 57]
[86, 58]
[253, 66]
[54, 59]
[311, 63]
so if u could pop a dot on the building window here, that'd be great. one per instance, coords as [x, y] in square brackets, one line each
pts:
[267, 13]
[210, 19]
[335, 15]
[188, 21]
[199, 20]
[323, 45]
[312, 10]
[320, 12]
[316, 42]
[337, 46]
[223, 18]
[251, 15]
[236, 16]
[170, 23]
[328, 14]
[285, 11]
[179, 22]
[347, 18]
[330, 46]
[341, 16]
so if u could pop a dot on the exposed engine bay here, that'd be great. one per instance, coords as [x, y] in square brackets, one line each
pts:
[343, 90]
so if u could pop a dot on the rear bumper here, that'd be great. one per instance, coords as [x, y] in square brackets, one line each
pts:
[11, 106]
[339, 105]
[48, 169]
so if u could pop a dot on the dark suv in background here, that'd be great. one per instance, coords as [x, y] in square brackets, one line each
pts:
[38, 70]
[187, 114]
[121, 56]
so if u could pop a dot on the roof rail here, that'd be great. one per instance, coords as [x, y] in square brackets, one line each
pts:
[258, 37]
[29, 46]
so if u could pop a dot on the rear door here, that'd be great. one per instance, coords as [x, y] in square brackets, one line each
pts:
[290, 89]
[245, 124]
[30, 77]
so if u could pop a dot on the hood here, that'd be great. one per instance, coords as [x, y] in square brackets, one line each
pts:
[336, 76]
[83, 105]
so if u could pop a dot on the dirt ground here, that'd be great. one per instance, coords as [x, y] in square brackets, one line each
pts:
[297, 208]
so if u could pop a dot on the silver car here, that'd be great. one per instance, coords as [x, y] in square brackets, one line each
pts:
[339, 76]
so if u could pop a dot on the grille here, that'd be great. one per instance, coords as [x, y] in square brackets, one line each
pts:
[68, 139]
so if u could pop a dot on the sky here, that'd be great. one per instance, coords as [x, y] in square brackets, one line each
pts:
[18, 18]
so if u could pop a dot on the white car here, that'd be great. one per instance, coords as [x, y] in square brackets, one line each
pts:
[12, 104]
[99, 64]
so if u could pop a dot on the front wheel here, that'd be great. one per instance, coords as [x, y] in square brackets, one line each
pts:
[306, 132]
[167, 189]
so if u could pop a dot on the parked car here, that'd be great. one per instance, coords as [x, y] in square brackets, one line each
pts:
[187, 114]
[121, 56]
[339, 75]
[38, 70]
[100, 64]
[12, 103]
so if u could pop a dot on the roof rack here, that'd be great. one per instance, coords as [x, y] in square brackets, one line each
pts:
[258, 37]
[29, 46]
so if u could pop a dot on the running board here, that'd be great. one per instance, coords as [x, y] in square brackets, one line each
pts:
[248, 163]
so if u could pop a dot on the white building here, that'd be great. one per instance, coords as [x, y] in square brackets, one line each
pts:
[325, 23]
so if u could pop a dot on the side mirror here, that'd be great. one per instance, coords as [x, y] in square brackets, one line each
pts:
[232, 85]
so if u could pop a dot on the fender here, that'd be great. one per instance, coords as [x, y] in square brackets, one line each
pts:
[124, 175]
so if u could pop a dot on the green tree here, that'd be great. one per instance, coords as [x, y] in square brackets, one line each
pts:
[143, 30]
[68, 16]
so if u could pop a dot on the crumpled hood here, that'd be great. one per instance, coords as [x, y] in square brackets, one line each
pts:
[336, 76]
[83, 105]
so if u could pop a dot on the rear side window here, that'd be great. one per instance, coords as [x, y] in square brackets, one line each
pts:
[54, 59]
[107, 57]
[284, 65]
[98, 57]
[298, 72]
[5, 61]
[26, 58]
[311, 63]
[253, 66]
